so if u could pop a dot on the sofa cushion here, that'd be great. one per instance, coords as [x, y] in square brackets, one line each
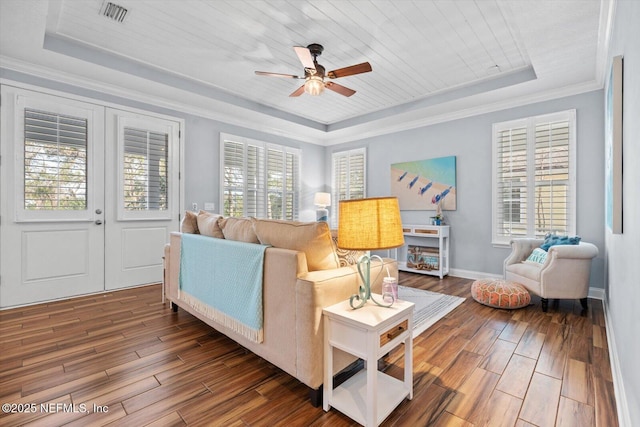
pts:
[238, 229]
[189, 223]
[345, 256]
[552, 240]
[312, 238]
[537, 256]
[208, 224]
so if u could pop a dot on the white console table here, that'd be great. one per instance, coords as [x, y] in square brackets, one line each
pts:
[426, 236]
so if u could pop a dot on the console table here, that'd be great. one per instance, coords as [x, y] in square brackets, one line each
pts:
[427, 236]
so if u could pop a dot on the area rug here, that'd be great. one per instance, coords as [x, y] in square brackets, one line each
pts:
[430, 306]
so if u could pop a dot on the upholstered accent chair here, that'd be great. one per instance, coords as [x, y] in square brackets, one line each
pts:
[564, 274]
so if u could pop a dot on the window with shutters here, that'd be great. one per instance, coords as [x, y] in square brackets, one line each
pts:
[534, 177]
[147, 173]
[259, 179]
[348, 172]
[55, 161]
[145, 170]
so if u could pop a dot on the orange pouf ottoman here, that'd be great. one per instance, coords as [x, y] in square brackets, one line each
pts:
[500, 293]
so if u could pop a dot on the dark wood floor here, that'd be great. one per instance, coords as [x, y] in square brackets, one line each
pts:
[133, 362]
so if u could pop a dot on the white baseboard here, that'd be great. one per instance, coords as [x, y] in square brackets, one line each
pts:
[622, 405]
[595, 293]
[475, 275]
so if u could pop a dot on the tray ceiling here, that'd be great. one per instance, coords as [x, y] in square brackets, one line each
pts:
[422, 52]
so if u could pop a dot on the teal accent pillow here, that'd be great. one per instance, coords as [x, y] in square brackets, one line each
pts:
[552, 240]
[538, 256]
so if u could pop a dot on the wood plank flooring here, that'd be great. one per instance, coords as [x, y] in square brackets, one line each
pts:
[125, 359]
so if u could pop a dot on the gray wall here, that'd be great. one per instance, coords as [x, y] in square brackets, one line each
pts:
[202, 147]
[623, 250]
[470, 141]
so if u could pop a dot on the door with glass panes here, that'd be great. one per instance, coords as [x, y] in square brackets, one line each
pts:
[83, 208]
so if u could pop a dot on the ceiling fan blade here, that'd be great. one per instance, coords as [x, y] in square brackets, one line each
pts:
[265, 73]
[298, 91]
[304, 54]
[339, 89]
[365, 67]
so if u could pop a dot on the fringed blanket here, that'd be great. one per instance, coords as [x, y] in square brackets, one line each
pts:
[222, 279]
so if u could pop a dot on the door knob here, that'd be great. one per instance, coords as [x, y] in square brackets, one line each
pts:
[98, 211]
[98, 221]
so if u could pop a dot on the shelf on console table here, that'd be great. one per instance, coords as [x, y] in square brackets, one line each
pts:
[425, 236]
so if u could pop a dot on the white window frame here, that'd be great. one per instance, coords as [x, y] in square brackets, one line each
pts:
[262, 208]
[530, 125]
[335, 196]
[74, 108]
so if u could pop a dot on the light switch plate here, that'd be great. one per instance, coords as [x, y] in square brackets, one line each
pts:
[194, 207]
[208, 206]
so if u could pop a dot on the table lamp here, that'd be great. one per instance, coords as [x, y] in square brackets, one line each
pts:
[369, 224]
[322, 200]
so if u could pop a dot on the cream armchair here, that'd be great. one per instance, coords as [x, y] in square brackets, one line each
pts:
[564, 274]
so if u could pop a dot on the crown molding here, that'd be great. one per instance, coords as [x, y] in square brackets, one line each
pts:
[481, 103]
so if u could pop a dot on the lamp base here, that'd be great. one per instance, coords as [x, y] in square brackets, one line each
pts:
[364, 291]
[322, 215]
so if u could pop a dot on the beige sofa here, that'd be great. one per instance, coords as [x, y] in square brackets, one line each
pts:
[301, 275]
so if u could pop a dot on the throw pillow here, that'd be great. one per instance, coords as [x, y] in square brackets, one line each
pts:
[238, 229]
[345, 256]
[552, 240]
[312, 238]
[538, 256]
[189, 223]
[208, 224]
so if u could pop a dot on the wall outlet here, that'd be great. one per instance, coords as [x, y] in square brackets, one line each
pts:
[208, 206]
[194, 207]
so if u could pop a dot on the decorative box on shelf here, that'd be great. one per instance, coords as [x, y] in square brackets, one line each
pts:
[423, 257]
[426, 250]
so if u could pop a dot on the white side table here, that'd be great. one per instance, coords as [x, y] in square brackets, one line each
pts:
[368, 333]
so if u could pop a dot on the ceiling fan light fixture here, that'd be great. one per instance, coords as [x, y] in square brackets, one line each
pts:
[314, 85]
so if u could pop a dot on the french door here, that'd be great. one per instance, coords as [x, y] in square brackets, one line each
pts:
[89, 195]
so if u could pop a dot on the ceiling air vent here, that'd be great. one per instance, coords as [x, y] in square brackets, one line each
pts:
[114, 11]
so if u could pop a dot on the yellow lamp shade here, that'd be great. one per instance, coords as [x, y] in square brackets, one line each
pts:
[369, 224]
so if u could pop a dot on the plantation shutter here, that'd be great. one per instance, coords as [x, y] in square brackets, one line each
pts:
[348, 179]
[552, 201]
[275, 183]
[511, 182]
[534, 177]
[259, 179]
[145, 161]
[55, 161]
[292, 185]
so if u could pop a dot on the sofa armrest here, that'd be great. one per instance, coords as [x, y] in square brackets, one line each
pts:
[583, 250]
[520, 250]
[316, 290]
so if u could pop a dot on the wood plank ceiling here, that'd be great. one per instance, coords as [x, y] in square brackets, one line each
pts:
[417, 48]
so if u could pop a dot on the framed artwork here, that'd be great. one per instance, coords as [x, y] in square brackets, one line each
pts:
[613, 147]
[421, 185]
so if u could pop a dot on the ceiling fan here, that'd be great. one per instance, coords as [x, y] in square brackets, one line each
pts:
[314, 73]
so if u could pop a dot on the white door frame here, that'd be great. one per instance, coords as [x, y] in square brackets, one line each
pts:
[8, 252]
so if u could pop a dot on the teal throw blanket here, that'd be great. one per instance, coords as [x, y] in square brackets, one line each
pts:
[222, 279]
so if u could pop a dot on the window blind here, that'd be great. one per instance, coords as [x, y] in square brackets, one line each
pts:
[260, 179]
[348, 179]
[55, 161]
[534, 188]
[145, 172]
